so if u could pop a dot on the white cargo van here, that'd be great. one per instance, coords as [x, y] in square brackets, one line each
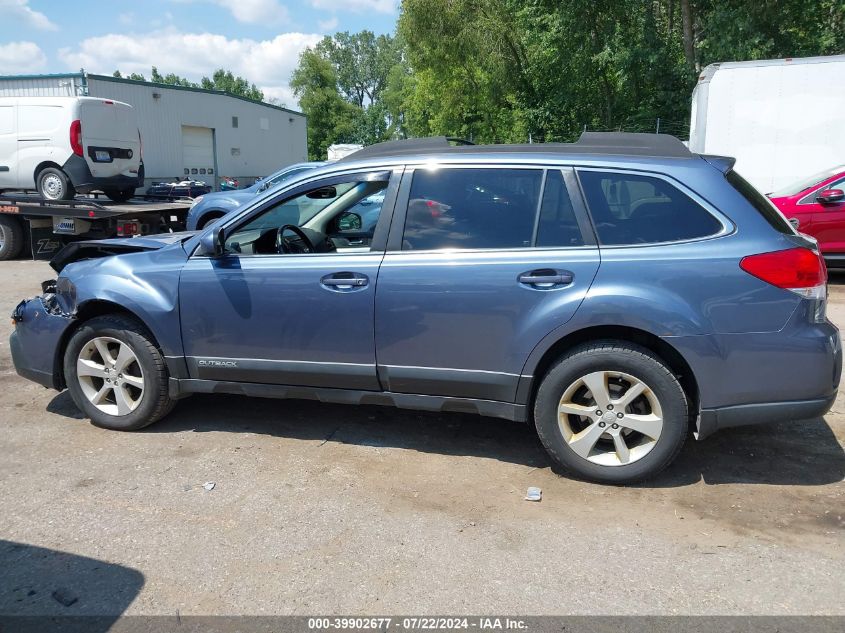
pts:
[59, 146]
[782, 119]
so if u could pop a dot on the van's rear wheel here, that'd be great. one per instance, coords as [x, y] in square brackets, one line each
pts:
[611, 412]
[12, 237]
[120, 195]
[53, 184]
[116, 375]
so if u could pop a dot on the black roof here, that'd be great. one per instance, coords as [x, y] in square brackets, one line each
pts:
[621, 143]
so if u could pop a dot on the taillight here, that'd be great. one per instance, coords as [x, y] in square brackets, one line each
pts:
[140, 146]
[125, 229]
[76, 137]
[800, 270]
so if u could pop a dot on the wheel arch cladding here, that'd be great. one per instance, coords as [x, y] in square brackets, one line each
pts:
[208, 216]
[545, 355]
[84, 313]
[42, 166]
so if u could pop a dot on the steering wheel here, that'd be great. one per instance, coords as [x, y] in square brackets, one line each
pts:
[283, 247]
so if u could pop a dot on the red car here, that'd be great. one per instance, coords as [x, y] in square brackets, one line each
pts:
[817, 205]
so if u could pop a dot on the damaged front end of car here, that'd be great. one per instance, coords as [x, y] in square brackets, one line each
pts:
[137, 277]
[40, 326]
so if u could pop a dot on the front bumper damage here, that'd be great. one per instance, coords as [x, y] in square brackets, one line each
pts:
[41, 325]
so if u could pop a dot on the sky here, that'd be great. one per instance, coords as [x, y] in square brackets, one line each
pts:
[256, 39]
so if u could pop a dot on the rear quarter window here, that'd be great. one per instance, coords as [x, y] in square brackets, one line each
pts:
[764, 206]
[629, 209]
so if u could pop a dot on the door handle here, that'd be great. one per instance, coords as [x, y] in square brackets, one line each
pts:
[545, 278]
[344, 281]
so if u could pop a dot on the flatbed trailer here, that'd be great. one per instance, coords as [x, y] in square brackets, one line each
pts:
[41, 226]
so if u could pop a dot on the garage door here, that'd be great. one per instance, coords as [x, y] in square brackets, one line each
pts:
[198, 153]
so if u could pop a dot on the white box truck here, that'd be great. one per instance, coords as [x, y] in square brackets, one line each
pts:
[782, 119]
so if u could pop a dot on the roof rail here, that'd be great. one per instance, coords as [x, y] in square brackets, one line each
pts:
[620, 143]
[611, 142]
[407, 146]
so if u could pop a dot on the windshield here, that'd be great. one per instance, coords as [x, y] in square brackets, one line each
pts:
[807, 183]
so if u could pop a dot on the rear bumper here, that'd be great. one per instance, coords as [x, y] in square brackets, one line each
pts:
[801, 362]
[84, 181]
[764, 377]
[712, 420]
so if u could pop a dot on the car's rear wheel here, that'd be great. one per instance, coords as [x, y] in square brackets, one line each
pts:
[53, 184]
[611, 412]
[116, 375]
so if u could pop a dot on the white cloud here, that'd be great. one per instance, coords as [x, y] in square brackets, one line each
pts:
[267, 63]
[358, 6]
[252, 11]
[19, 11]
[18, 58]
[328, 25]
[280, 95]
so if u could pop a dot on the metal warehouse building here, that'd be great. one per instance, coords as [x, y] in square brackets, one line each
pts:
[188, 132]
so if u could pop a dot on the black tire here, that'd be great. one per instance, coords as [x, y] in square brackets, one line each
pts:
[615, 357]
[120, 195]
[12, 237]
[208, 219]
[53, 184]
[154, 403]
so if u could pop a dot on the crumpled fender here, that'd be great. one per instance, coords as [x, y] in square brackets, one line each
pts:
[145, 283]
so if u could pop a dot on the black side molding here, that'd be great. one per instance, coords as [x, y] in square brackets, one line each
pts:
[711, 420]
[506, 410]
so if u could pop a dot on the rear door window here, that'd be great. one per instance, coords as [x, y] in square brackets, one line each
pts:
[472, 208]
[637, 209]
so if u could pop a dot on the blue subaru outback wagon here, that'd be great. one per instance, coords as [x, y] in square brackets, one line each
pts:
[618, 293]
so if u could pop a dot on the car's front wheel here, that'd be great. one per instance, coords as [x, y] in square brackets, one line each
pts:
[611, 412]
[116, 375]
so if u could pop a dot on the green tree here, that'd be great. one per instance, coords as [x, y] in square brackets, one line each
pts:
[545, 70]
[331, 119]
[344, 87]
[222, 80]
[227, 82]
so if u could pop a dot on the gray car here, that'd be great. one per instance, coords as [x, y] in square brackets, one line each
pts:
[211, 207]
[618, 293]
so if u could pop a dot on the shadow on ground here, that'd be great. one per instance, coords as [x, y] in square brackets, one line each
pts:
[48, 590]
[800, 453]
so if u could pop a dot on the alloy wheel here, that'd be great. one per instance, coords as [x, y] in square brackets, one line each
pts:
[110, 376]
[610, 418]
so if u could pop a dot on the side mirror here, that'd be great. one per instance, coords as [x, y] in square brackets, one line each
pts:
[795, 222]
[349, 221]
[211, 243]
[324, 193]
[829, 196]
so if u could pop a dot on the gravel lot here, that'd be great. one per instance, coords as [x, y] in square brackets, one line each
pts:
[322, 509]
